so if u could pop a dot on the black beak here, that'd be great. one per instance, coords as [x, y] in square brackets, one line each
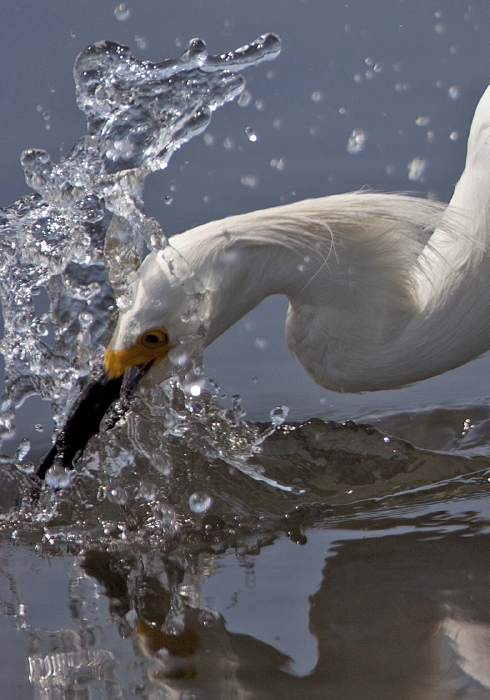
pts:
[85, 419]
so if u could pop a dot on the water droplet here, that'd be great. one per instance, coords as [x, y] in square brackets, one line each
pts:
[141, 42]
[251, 135]
[178, 358]
[122, 12]
[6, 427]
[454, 135]
[85, 319]
[454, 92]
[279, 414]
[317, 96]
[92, 209]
[422, 120]
[278, 163]
[58, 477]
[244, 99]
[261, 343]
[23, 449]
[125, 301]
[259, 105]
[200, 502]
[34, 157]
[237, 408]
[209, 139]
[416, 169]
[249, 180]
[440, 28]
[356, 142]
[229, 257]
[229, 143]
[402, 87]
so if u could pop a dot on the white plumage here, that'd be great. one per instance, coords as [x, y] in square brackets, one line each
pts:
[384, 290]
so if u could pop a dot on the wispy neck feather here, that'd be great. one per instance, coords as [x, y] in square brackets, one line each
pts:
[345, 262]
[384, 290]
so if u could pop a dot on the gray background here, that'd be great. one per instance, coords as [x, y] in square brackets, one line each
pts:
[304, 107]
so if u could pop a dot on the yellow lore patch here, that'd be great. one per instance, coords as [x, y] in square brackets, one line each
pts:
[151, 346]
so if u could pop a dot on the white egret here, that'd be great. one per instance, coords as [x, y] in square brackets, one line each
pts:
[384, 290]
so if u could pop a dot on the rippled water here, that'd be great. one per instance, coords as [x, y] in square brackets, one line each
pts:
[149, 524]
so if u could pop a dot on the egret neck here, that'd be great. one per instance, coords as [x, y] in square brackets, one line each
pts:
[346, 264]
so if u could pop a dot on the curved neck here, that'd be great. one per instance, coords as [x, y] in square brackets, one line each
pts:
[372, 304]
[237, 274]
[327, 254]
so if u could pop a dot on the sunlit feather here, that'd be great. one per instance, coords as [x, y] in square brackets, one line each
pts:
[384, 289]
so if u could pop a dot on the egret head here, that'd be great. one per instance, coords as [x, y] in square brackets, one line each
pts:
[150, 347]
[157, 321]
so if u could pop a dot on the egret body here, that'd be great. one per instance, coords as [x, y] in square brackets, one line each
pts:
[384, 290]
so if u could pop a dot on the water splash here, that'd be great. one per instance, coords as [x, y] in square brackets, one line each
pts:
[356, 142]
[67, 254]
[416, 169]
[67, 251]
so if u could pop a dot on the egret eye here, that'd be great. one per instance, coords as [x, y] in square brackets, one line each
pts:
[154, 338]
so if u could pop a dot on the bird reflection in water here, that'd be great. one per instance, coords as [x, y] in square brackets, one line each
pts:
[416, 625]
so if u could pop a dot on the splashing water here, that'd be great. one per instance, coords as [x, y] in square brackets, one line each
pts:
[67, 252]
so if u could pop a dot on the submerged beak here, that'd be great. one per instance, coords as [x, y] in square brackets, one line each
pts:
[123, 370]
[85, 419]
